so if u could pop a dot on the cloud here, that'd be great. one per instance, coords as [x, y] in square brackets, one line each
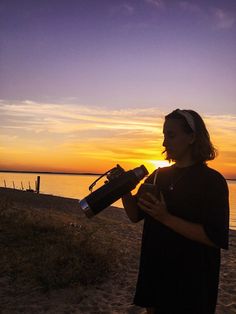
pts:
[159, 4]
[124, 9]
[223, 19]
[66, 119]
[127, 8]
[70, 133]
[69, 119]
[222, 129]
[78, 130]
[219, 18]
[190, 7]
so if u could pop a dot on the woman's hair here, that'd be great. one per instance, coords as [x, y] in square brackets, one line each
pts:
[202, 148]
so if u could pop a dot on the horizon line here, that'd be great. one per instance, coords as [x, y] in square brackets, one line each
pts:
[51, 172]
[69, 173]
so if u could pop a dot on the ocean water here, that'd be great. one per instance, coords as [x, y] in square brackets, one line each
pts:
[76, 186]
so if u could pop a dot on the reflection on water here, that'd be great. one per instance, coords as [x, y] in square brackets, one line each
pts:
[76, 186]
[232, 202]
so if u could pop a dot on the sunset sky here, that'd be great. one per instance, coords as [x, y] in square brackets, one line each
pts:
[85, 85]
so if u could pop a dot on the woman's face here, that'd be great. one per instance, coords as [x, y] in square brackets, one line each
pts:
[176, 141]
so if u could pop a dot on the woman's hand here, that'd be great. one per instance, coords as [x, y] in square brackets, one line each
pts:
[157, 209]
[154, 207]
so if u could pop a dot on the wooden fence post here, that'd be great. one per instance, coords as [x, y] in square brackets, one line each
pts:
[38, 184]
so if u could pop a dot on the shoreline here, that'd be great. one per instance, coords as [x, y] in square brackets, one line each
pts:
[52, 172]
[46, 199]
[68, 173]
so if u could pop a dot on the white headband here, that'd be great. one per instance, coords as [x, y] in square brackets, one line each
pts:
[188, 117]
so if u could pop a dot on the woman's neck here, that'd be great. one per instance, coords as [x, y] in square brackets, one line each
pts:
[184, 163]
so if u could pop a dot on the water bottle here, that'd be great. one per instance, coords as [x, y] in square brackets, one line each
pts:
[112, 190]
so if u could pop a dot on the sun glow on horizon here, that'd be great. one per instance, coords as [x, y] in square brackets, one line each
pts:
[160, 163]
[64, 138]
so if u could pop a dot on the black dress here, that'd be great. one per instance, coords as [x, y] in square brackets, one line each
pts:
[178, 275]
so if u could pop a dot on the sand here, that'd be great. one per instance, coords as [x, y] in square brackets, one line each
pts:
[115, 295]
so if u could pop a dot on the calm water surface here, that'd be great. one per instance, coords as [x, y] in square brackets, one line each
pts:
[76, 186]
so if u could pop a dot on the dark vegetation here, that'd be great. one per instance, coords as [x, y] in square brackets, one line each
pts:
[53, 250]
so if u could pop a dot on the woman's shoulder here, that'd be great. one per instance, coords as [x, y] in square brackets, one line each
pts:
[212, 176]
[163, 170]
[212, 173]
[203, 170]
[158, 173]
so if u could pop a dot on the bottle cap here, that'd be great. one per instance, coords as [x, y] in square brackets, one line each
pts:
[84, 206]
[140, 172]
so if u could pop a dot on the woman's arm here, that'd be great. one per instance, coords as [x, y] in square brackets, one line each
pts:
[131, 207]
[157, 209]
[190, 230]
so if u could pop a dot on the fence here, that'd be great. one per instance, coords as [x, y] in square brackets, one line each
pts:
[23, 187]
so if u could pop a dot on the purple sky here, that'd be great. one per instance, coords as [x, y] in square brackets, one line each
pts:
[85, 85]
[120, 54]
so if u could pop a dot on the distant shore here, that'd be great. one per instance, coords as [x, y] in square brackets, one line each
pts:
[68, 173]
[53, 172]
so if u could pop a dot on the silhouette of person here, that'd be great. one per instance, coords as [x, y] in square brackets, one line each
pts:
[186, 223]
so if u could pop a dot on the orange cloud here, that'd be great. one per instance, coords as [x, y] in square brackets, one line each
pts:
[53, 137]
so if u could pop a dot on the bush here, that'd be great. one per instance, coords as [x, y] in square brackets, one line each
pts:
[47, 249]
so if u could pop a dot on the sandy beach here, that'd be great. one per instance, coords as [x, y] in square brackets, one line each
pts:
[114, 295]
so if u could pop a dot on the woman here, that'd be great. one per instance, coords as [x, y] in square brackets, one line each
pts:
[185, 223]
